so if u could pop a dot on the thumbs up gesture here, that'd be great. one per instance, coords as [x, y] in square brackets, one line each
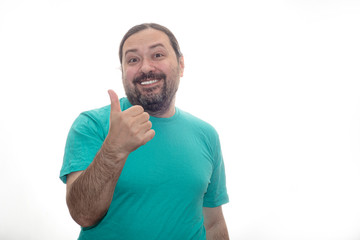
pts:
[128, 130]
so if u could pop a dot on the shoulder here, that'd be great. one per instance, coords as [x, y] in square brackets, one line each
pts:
[204, 132]
[97, 120]
[199, 125]
[99, 115]
[94, 116]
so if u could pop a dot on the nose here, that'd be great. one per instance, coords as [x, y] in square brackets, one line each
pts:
[147, 66]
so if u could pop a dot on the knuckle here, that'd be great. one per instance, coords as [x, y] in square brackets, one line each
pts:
[141, 140]
[131, 123]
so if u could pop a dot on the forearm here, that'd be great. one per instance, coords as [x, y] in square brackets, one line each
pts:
[217, 231]
[90, 195]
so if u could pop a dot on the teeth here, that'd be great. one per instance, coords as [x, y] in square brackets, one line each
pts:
[149, 82]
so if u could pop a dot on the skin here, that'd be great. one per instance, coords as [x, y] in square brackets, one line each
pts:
[215, 224]
[150, 51]
[90, 192]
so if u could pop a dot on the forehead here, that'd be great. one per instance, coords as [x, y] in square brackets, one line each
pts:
[145, 39]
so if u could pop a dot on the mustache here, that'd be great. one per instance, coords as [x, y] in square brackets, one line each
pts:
[150, 75]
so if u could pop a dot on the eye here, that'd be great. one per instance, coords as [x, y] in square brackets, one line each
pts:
[158, 55]
[132, 60]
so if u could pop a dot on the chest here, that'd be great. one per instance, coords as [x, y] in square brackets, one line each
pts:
[170, 165]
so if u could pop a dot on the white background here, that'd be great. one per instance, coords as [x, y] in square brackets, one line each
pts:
[279, 80]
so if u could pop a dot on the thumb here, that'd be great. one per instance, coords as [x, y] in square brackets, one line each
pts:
[115, 103]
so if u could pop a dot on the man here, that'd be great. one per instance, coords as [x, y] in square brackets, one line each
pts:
[142, 168]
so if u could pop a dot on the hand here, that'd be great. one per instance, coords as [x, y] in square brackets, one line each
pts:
[128, 130]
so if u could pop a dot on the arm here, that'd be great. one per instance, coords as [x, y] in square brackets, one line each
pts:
[215, 224]
[89, 192]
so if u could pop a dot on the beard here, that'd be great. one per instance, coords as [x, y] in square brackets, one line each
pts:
[152, 102]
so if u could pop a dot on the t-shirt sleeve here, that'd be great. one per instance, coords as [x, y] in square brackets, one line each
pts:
[216, 194]
[83, 142]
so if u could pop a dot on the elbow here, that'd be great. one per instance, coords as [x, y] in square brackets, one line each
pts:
[81, 216]
[84, 220]
[85, 213]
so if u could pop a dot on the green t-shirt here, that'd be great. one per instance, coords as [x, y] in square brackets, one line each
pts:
[164, 184]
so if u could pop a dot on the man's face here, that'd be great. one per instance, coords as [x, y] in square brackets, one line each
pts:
[151, 71]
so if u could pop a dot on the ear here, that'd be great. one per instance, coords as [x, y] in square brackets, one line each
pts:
[182, 66]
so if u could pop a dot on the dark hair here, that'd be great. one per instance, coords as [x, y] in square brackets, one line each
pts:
[138, 28]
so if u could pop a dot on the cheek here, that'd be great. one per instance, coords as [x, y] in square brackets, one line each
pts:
[128, 75]
[166, 68]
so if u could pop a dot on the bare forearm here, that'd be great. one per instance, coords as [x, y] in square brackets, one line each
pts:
[90, 195]
[217, 232]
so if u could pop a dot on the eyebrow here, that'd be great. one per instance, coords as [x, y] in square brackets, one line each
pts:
[151, 47]
[157, 45]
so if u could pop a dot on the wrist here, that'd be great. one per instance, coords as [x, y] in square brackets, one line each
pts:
[110, 152]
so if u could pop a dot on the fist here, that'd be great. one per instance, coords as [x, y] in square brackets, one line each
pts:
[129, 129]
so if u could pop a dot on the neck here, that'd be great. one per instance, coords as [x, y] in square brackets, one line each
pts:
[164, 114]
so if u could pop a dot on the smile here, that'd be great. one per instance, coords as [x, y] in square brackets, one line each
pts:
[148, 82]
